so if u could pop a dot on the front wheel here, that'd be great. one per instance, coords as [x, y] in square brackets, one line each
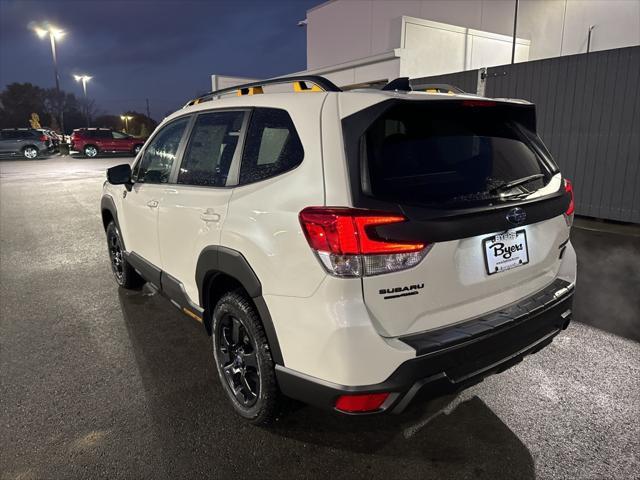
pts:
[123, 272]
[90, 151]
[30, 152]
[243, 359]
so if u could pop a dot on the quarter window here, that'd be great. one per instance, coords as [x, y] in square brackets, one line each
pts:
[211, 149]
[157, 161]
[272, 146]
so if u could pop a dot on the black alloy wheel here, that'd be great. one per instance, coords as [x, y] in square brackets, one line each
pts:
[243, 359]
[115, 253]
[125, 274]
[238, 360]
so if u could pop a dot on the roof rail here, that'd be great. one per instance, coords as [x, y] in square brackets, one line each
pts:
[320, 84]
[403, 84]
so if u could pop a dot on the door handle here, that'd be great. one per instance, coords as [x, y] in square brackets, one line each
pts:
[209, 215]
[152, 203]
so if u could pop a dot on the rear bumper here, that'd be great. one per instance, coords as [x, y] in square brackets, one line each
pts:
[454, 357]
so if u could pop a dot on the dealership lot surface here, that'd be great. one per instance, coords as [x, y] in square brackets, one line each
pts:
[97, 382]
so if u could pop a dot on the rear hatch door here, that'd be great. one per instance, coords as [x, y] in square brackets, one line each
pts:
[477, 186]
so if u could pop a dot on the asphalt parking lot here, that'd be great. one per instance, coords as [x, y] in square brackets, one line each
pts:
[98, 382]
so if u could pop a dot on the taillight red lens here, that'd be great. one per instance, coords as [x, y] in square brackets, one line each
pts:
[346, 231]
[478, 103]
[361, 403]
[568, 186]
[43, 138]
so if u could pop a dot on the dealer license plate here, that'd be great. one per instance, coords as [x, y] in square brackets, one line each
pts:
[505, 251]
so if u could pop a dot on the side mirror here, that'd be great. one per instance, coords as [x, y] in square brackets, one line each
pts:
[119, 175]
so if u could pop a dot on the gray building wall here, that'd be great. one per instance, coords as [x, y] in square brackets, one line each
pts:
[588, 114]
[344, 30]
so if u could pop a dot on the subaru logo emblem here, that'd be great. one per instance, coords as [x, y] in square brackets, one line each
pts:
[516, 216]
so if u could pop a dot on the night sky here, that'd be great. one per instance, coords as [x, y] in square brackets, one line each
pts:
[162, 50]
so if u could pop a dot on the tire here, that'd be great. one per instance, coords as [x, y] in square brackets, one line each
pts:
[136, 149]
[123, 272]
[90, 151]
[30, 152]
[243, 359]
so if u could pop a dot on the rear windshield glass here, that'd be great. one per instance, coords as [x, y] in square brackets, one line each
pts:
[450, 154]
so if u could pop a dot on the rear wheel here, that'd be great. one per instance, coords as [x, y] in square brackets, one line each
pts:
[123, 272]
[243, 359]
[90, 151]
[30, 152]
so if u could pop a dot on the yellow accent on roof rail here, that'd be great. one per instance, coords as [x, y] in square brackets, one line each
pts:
[302, 87]
[301, 84]
[437, 90]
[249, 91]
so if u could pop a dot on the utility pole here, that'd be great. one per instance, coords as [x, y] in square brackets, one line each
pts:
[515, 28]
[148, 111]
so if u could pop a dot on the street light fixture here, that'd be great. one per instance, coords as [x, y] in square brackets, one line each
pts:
[54, 34]
[125, 119]
[84, 79]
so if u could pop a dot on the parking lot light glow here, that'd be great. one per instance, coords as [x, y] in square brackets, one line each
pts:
[54, 34]
[58, 34]
[125, 119]
[84, 79]
[41, 32]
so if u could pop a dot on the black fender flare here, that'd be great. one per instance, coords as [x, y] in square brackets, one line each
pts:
[107, 204]
[214, 260]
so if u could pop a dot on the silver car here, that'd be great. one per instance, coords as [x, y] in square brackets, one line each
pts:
[24, 142]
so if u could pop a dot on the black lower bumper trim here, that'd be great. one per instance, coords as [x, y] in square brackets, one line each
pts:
[457, 362]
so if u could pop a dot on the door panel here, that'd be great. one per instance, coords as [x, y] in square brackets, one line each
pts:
[141, 219]
[151, 176]
[190, 219]
[194, 209]
[120, 142]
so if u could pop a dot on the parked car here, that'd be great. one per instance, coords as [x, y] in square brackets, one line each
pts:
[93, 141]
[53, 136]
[349, 249]
[24, 142]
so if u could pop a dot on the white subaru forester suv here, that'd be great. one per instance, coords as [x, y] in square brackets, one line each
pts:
[349, 249]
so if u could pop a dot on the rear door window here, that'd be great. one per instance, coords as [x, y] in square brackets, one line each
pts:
[272, 146]
[448, 154]
[211, 149]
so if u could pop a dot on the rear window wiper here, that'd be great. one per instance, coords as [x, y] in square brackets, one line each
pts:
[515, 183]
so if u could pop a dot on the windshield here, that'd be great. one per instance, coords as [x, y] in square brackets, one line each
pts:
[450, 154]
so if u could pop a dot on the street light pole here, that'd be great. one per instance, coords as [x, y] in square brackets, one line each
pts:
[84, 79]
[125, 119]
[54, 33]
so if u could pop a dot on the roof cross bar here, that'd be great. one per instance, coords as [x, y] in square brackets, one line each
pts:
[322, 83]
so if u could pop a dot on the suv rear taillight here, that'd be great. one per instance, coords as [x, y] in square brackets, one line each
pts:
[43, 138]
[568, 187]
[362, 403]
[345, 244]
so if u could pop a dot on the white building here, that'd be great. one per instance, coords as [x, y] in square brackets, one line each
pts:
[356, 42]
